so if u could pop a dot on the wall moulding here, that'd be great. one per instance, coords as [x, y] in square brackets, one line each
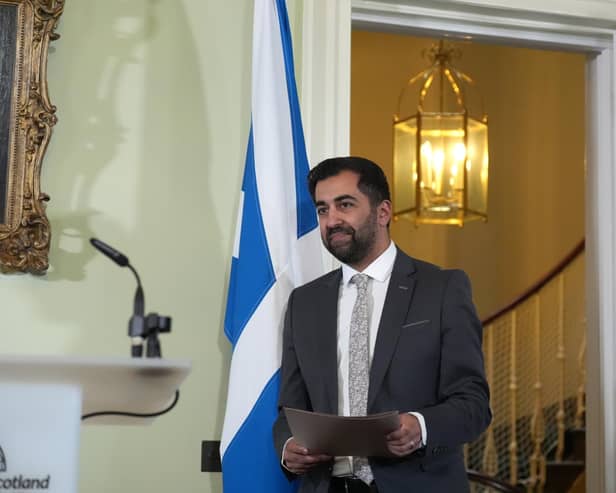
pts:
[26, 121]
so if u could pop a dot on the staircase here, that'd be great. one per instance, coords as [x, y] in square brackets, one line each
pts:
[535, 350]
[561, 475]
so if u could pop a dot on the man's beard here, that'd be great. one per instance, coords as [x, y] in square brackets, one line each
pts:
[359, 243]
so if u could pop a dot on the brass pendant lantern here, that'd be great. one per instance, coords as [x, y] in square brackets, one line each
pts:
[441, 152]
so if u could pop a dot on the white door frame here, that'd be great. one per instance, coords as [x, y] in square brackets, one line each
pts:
[580, 25]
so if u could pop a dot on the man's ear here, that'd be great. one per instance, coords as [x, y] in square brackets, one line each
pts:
[383, 213]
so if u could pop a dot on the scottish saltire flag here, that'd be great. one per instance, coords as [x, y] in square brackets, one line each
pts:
[277, 247]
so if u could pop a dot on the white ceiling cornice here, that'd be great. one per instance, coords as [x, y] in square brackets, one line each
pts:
[597, 13]
[493, 22]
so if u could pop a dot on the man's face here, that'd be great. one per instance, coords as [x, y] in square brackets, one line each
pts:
[349, 224]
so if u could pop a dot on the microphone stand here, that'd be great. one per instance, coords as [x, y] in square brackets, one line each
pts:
[140, 327]
[136, 323]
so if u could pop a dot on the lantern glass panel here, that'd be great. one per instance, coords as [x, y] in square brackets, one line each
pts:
[477, 168]
[405, 166]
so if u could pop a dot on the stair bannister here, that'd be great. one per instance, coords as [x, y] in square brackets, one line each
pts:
[513, 389]
[490, 455]
[560, 357]
[581, 393]
[537, 459]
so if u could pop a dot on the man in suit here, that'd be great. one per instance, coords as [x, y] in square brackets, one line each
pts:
[422, 348]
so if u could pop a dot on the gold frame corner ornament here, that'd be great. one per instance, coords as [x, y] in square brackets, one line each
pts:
[25, 231]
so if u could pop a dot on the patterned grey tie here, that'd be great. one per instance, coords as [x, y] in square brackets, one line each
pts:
[359, 365]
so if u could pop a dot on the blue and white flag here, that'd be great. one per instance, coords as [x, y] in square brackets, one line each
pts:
[277, 247]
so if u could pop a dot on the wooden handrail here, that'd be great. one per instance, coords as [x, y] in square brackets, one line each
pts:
[579, 248]
[491, 482]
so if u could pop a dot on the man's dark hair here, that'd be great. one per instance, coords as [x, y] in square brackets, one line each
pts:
[372, 180]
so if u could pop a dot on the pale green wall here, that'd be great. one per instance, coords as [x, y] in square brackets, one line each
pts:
[153, 103]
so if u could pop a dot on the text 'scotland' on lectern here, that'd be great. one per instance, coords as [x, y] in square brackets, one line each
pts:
[44, 397]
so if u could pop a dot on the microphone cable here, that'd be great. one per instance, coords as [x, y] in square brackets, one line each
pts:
[134, 415]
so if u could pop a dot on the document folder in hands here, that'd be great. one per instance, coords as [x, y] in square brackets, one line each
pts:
[343, 435]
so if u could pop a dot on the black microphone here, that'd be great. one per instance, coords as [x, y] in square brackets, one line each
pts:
[112, 253]
[136, 324]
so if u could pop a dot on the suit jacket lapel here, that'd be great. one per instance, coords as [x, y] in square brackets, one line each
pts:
[327, 304]
[397, 302]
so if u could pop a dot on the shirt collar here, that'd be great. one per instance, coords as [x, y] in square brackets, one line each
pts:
[380, 269]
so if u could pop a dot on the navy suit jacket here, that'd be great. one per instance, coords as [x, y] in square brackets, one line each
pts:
[428, 358]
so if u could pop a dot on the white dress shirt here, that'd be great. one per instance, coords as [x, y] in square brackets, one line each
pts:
[379, 272]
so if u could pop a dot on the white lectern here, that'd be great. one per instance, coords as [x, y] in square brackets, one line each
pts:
[42, 399]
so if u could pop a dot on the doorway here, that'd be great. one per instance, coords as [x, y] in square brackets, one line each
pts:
[325, 93]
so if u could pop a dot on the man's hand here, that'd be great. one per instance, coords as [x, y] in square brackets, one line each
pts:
[298, 459]
[406, 439]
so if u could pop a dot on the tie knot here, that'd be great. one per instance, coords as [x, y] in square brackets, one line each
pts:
[361, 280]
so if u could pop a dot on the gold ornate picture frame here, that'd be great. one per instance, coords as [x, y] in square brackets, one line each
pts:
[26, 121]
